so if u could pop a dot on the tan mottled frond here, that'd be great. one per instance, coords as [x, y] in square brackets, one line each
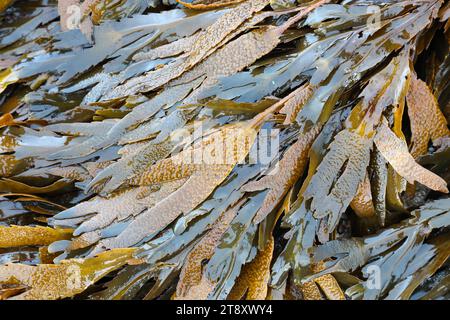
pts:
[339, 175]
[17, 236]
[395, 151]
[330, 287]
[105, 211]
[427, 121]
[74, 173]
[168, 50]
[311, 291]
[208, 58]
[208, 4]
[193, 285]
[362, 204]
[217, 151]
[226, 24]
[287, 172]
[117, 206]
[254, 277]
[194, 191]
[204, 45]
[156, 149]
[47, 281]
[295, 104]
[326, 284]
[227, 60]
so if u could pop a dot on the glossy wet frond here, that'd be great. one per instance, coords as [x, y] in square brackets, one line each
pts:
[224, 149]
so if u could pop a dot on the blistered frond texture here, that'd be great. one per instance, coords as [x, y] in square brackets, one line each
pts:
[224, 149]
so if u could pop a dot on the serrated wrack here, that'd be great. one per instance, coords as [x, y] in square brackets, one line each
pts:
[296, 103]
[252, 282]
[50, 282]
[396, 254]
[287, 172]
[105, 130]
[9, 185]
[395, 151]
[204, 46]
[194, 191]
[207, 58]
[427, 121]
[106, 210]
[330, 287]
[192, 285]
[362, 204]
[131, 166]
[95, 217]
[18, 236]
[174, 48]
[73, 173]
[214, 34]
[310, 291]
[218, 153]
[327, 284]
[227, 60]
[11, 289]
[6, 120]
[339, 175]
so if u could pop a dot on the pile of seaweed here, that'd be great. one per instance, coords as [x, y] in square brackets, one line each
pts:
[106, 104]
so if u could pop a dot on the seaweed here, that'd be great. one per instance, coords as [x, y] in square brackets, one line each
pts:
[224, 149]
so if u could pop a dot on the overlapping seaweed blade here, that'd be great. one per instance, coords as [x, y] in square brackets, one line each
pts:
[240, 149]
